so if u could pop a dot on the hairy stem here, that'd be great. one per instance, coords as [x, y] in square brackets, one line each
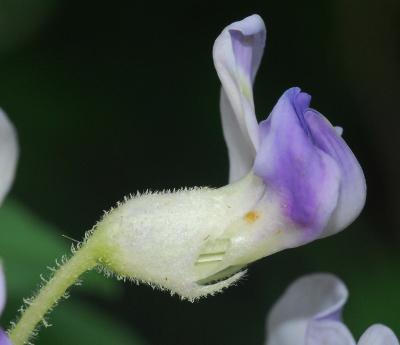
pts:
[83, 260]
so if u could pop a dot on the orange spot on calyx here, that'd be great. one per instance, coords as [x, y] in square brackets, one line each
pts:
[251, 217]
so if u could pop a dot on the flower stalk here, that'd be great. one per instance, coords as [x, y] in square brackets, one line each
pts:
[84, 259]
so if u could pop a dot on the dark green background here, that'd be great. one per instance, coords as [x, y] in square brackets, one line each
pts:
[114, 97]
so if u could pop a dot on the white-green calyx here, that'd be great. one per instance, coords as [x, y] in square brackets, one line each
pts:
[189, 241]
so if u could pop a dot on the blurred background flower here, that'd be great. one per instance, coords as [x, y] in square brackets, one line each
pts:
[3, 337]
[309, 312]
[87, 83]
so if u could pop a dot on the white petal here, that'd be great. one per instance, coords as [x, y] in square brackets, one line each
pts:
[241, 153]
[237, 55]
[2, 290]
[328, 332]
[311, 298]
[339, 130]
[378, 335]
[8, 154]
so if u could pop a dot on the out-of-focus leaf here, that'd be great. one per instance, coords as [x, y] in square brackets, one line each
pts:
[28, 246]
[78, 323]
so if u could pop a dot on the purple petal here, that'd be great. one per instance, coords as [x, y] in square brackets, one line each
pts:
[4, 339]
[352, 190]
[237, 55]
[305, 178]
[328, 333]
[8, 154]
[311, 299]
[378, 335]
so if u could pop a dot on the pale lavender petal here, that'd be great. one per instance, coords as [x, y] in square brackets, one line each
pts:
[304, 178]
[237, 55]
[352, 190]
[241, 153]
[328, 332]
[339, 130]
[310, 299]
[8, 154]
[2, 290]
[4, 338]
[378, 335]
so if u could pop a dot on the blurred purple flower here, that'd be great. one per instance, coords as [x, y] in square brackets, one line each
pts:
[310, 313]
[3, 337]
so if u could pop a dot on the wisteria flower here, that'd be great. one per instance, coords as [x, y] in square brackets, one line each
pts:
[297, 153]
[310, 313]
[293, 179]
